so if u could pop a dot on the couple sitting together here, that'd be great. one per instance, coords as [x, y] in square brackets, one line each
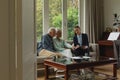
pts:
[52, 44]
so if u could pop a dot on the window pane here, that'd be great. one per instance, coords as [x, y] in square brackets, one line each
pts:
[39, 19]
[72, 17]
[55, 13]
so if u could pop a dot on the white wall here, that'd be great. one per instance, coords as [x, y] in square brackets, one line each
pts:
[4, 40]
[110, 7]
[17, 40]
[28, 39]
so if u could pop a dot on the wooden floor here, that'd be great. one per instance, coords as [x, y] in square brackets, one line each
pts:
[102, 69]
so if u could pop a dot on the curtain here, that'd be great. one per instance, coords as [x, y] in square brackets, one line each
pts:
[94, 22]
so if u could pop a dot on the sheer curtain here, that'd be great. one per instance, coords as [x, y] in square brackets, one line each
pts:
[94, 15]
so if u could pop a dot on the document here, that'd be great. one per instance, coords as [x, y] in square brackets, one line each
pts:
[113, 36]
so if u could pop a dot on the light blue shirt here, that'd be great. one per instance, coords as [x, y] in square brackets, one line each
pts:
[79, 37]
[61, 45]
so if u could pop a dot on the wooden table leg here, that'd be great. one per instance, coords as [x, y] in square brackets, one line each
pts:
[46, 72]
[92, 69]
[66, 75]
[115, 70]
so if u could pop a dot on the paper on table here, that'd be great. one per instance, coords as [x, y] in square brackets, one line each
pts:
[76, 57]
[85, 57]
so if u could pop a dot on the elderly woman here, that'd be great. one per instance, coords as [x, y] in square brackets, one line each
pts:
[61, 46]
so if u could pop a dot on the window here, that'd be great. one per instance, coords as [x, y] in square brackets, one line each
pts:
[72, 17]
[39, 23]
[54, 16]
[55, 13]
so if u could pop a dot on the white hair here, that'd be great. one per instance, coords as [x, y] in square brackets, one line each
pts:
[50, 29]
[58, 30]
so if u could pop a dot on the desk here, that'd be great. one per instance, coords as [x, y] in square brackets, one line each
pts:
[117, 51]
[72, 66]
[106, 48]
[110, 49]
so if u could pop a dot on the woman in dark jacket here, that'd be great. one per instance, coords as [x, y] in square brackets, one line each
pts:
[80, 43]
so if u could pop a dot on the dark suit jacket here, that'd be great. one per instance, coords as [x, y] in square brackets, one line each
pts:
[46, 43]
[80, 51]
[84, 40]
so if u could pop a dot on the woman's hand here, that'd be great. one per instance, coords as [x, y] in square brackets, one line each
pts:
[77, 46]
[73, 47]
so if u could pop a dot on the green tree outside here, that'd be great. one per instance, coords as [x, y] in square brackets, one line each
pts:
[72, 18]
[55, 16]
[39, 20]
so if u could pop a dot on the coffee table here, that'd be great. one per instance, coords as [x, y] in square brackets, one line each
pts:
[67, 66]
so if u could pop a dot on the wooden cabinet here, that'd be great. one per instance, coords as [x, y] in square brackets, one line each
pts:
[106, 48]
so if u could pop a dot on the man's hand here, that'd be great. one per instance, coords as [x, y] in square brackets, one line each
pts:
[75, 47]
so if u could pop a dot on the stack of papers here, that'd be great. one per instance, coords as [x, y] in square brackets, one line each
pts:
[84, 57]
[77, 57]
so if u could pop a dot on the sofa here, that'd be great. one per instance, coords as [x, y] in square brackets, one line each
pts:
[94, 53]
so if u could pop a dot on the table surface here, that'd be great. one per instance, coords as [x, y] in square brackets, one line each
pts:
[62, 63]
[83, 62]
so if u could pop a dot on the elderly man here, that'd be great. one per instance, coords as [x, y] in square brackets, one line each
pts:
[47, 40]
[46, 46]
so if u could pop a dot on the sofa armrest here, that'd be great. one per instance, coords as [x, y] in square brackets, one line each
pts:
[95, 50]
